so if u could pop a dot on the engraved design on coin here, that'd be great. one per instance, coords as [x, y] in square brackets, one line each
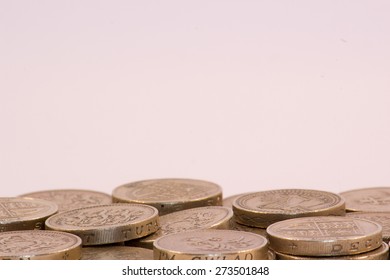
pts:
[38, 242]
[161, 191]
[218, 244]
[194, 221]
[316, 229]
[13, 209]
[289, 201]
[100, 217]
[69, 199]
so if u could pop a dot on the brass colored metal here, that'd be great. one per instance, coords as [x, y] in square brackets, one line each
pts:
[69, 199]
[233, 225]
[39, 245]
[105, 224]
[324, 236]
[211, 244]
[116, 253]
[17, 213]
[170, 195]
[382, 218]
[208, 217]
[228, 201]
[367, 200]
[264, 208]
[381, 253]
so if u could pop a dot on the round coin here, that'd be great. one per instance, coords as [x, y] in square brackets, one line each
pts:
[116, 253]
[217, 217]
[211, 244]
[69, 199]
[382, 218]
[382, 253]
[106, 224]
[17, 213]
[324, 236]
[170, 195]
[228, 201]
[368, 199]
[39, 245]
[261, 209]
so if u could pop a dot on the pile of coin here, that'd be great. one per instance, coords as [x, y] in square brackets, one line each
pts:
[187, 219]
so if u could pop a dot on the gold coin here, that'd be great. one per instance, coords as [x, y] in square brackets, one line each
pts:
[106, 224]
[381, 253]
[18, 213]
[116, 253]
[39, 245]
[233, 225]
[264, 208]
[368, 199]
[228, 201]
[324, 236]
[382, 218]
[188, 220]
[69, 199]
[170, 195]
[211, 244]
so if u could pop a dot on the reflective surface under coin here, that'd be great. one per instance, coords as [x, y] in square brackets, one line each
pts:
[170, 195]
[381, 253]
[211, 245]
[264, 208]
[368, 199]
[324, 236]
[69, 199]
[188, 220]
[382, 218]
[107, 223]
[39, 245]
[116, 253]
[17, 213]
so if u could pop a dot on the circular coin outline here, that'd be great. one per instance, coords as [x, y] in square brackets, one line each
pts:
[352, 198]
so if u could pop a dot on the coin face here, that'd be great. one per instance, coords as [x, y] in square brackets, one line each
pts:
[382, 253]
[18, 213]
[324, 236]
[264, 208]
[170, 195]
[211, 245]
[189, 220]
[368, 199]
[105, 224]
[69, 199]
[116, 253]
[382, 218]
[39, 244]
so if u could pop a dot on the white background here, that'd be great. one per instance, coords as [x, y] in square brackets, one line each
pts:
[252, 95]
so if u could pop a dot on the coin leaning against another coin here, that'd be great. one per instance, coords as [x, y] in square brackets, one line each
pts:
[106, 224]
[324, 236]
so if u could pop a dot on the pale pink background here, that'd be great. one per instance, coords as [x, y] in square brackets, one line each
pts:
[252, 95]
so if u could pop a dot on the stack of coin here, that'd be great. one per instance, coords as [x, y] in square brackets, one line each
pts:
[105, 224]
[209, 217]
[211, 244]
[323, 237]
[170, 195]
[69, 199]
[262, 209]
